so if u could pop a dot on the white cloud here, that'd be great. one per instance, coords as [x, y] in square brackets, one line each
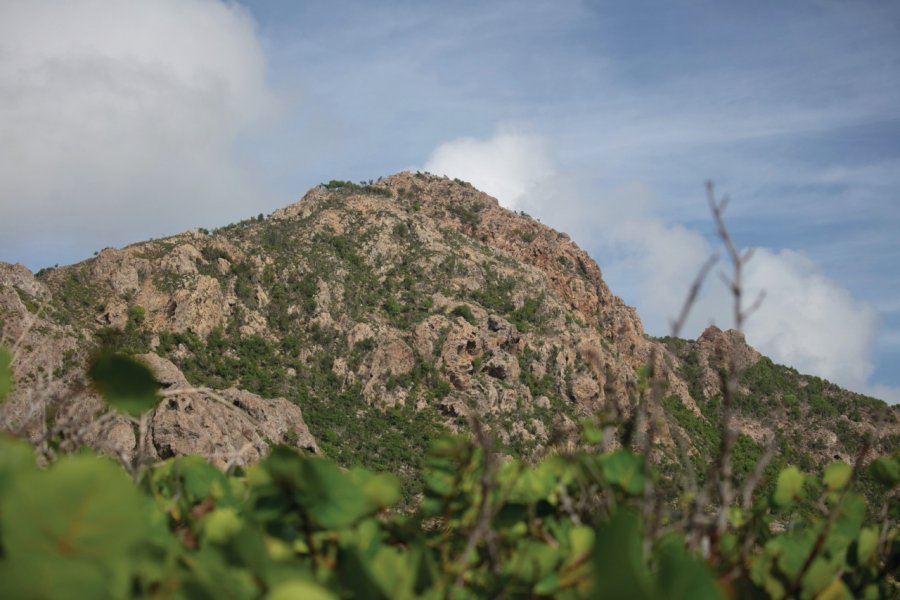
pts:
[507, 166]
[809, 320]
[119, 119]
[806, 320]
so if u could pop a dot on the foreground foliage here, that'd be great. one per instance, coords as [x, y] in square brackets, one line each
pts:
[301, 527]
[582, 525]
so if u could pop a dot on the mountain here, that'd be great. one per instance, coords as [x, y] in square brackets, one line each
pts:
[364, 320]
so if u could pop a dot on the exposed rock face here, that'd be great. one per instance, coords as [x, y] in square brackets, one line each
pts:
[585, 390]
[198, 309]
[716, 350]
[231, 427]
[502, 366]
[235, 428]
[725, 345]
[415, 291]
[41, 347]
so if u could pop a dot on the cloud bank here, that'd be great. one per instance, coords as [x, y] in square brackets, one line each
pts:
[807, 320]
[509, 165]
[119, 120]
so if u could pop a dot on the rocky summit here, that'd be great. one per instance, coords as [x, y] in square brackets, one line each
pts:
[364, 320]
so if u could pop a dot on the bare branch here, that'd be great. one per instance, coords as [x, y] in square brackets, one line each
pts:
[482, 528]
[694, 291]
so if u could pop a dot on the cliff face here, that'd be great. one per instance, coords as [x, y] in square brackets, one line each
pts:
[386, 312]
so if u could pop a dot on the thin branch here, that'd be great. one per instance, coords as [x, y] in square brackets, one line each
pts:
[485, 514]
[677, 325]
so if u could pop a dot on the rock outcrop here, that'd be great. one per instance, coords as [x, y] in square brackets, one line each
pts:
[226, 427]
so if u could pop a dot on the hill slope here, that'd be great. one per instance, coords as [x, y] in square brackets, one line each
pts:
[387, 313]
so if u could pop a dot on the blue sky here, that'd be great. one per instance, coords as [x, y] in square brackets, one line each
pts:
[600, 118]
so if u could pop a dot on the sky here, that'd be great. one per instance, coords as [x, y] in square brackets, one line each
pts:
[122, 121]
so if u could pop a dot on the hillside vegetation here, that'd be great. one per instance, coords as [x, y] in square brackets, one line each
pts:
[582, 525]
[538, 441]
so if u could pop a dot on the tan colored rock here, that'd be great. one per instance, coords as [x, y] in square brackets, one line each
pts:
[391, 357]
[85, 420]
[223, 266]
[254, 324]
[729, 344]
[502, 366]
[114, 315]
[119, 269]
[262, 298]
[585, 390]
[198, 309]
[194, 424]
[18, 276]
[508, 400]
[717, 349]
[279, 419]
[182, 260]
[461, 345]
[340, 368]
[428, 333]
[165, 371]
[234, 428]
[118, 440]
[359, 333]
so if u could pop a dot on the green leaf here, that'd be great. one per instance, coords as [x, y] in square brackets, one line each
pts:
[16, 458]
[393, 572]
[532, 561]
[886, 470]
[789, 486]
[870, 592]
[83, 506]
[539, 482]
[56, 578]
[380, 490]
[682, 577]
[820, 575]
[793, 550]
[356, 574]
[73, 527]
[761, 569]
[619, 569]
[625, 470]
[836, 590]
[591, 431]
[867, 545]
[221, 524]
[5, 373]
[300, 590]
[201, 479]
[124, 383]
[212, 577]
[330, 497]
[581, 541]
[837, 475]
[850, 518]
[546, 586]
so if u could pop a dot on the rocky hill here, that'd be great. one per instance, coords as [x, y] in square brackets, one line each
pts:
[364, 320]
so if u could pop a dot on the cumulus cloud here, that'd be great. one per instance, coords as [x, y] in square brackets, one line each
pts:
[508, 165]
[807, 320]
[119, 119]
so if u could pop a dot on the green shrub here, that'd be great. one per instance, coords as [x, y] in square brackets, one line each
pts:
[299, 526]
[464, 311]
